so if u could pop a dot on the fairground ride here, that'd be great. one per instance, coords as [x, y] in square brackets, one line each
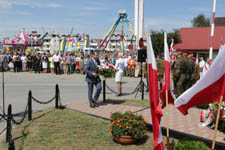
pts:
[123, 18]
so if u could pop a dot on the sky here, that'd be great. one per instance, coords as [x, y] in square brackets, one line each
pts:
[95, 17]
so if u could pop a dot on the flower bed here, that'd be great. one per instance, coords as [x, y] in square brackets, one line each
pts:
[128, 124]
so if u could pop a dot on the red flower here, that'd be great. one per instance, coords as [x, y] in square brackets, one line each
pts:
[221, 118]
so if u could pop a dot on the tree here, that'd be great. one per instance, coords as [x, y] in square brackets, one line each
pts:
[200, 21]
[158, 40]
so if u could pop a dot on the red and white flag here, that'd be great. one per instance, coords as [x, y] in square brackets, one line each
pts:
[156, 110]
[208, 89]
[167, 85]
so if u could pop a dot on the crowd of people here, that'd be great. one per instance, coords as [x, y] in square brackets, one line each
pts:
[43, 63]
[62, 64]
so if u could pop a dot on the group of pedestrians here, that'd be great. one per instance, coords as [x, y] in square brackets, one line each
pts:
[43, 63]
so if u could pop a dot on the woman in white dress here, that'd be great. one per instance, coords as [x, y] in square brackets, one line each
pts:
[119, 72]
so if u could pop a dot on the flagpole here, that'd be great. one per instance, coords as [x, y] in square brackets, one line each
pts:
[212, 30]
[217, 122]
[167, 122]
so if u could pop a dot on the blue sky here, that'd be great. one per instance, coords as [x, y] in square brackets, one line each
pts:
[95, 17]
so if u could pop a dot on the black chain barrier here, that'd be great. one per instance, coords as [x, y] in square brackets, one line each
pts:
[28, 110]
[24, 116]
[3, 117]
[41, 102]
[124, 94]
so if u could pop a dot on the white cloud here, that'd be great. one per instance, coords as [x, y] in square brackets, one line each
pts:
[5, 4]
[28, 3]
[54, 5]
[14, 12]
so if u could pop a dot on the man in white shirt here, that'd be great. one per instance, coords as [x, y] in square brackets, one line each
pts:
[119, 72]
[57, 59]
[201, 65]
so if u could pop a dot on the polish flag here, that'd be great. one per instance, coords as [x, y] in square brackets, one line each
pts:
[156, 110]
[167, 76]
[208, 89]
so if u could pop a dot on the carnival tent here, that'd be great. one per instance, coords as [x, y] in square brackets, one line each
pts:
[21, 39]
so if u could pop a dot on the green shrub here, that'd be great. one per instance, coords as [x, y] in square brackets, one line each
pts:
[188, 144]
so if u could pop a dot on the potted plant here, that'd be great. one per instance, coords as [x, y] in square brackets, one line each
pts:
[128, 127]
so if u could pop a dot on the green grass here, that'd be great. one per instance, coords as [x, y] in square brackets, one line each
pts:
[69, 130]
[133, 102]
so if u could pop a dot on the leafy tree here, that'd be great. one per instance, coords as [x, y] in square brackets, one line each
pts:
[158, 39]
[200, 21]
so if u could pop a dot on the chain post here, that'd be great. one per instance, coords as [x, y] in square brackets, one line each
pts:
[9, 125]
[142, 90]
[104, 94]
[30, 105]
[57, 96]
[11, 145]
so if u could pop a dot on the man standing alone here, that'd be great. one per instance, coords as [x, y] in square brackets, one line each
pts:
[92, 79]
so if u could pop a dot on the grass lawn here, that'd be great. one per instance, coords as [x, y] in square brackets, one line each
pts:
[133, 102]
[69, 130]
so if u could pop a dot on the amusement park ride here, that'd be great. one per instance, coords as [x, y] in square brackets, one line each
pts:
[123, 18]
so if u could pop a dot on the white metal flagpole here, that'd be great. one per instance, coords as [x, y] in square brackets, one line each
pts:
[212, 30]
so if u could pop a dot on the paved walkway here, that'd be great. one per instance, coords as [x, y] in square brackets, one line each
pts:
[188, 124]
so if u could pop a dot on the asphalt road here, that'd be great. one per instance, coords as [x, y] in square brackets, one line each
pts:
[72, 88]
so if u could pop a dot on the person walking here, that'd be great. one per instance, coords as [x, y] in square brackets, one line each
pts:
[57, 59]
[91, 69]
[119, 72]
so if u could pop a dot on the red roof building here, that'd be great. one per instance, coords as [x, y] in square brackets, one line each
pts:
[197, 40]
